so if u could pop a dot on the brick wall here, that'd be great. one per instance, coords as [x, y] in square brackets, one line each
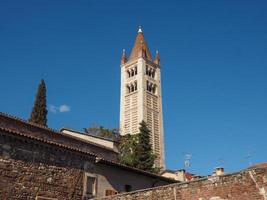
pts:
[246, 185]
[29, 169]
[20, 180]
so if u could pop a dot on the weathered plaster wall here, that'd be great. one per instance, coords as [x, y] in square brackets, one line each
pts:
[246, 185]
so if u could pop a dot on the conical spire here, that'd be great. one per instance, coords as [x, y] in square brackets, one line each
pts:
[123, 57]
[140, 47]
[157, 58]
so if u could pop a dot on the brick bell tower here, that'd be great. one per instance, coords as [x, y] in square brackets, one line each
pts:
[141, 95]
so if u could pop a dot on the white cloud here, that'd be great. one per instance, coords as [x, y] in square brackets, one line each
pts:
[64, 108]
[56, 109]
[53, 109]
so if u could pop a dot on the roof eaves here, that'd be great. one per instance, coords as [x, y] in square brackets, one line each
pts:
[135, 169]
[46, 141]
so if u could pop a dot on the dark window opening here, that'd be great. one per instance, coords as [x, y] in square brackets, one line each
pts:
[132, 72]
[90, 187]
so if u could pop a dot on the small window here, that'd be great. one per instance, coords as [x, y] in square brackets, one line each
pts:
[89, 186]
[128, 74]
[128, 188]
[132, 72]
[135, 70]
[135, 86]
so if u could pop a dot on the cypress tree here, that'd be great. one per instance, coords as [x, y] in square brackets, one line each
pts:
[143, 153]
[39, 111]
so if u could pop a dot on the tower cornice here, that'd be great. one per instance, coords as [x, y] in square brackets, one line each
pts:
[151, 63]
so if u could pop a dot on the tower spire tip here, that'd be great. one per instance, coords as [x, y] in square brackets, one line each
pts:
[140, 29]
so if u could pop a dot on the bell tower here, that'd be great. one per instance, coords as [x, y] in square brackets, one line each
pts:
[141, 95]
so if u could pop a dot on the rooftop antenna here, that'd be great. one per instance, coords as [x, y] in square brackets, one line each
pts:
[249, 158]
[220, 162]
[188, 158]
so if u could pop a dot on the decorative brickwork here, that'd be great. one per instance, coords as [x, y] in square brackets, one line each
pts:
[250, 184]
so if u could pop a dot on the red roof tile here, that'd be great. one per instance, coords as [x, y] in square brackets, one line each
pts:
[140, 47]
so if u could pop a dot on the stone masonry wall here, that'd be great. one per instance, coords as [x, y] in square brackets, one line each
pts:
[245, 185]
[20, 180]
[29, 169]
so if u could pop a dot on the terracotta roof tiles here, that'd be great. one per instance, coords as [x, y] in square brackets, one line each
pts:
[140, 47]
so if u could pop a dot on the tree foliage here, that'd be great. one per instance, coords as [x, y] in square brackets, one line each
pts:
[100, 131]
[39, 110]
[143, 152]
[136, 150]
[127, 149]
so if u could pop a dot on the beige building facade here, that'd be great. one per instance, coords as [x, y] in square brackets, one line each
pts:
[141, 95]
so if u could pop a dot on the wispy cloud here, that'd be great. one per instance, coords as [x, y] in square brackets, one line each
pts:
[64, 108]
[59, 109]
[53, 109]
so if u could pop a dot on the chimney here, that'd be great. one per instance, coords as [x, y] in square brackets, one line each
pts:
[180, 175]
[219, 171]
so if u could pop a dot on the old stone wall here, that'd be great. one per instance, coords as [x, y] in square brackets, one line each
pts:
[246, 185]
[29, 169]
[33, 167]
[20, 180]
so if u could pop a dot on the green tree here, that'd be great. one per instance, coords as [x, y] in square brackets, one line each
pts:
[127, 150]
[39, 111]
[100, 131]
[136, 150]
[143, 152]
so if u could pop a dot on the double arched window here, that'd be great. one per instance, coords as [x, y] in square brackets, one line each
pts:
[132, 72]
[151, 72]
[131, 87]
[151, 87]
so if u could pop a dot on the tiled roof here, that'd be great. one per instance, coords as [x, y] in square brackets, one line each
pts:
[19, 127]
[188, 176]
[34, 131]
[259, 165]
[140, 48]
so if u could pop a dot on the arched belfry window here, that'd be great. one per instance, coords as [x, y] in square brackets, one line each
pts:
[128, 89]
[131, 87]
[152, 88]
[135, 85]
[150, 71]
[132, 72]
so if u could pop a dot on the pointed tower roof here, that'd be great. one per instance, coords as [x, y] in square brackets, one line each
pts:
[140, 47]
[123, 57]
[157, 58]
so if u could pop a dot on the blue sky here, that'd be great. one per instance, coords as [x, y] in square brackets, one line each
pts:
[214, 69]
